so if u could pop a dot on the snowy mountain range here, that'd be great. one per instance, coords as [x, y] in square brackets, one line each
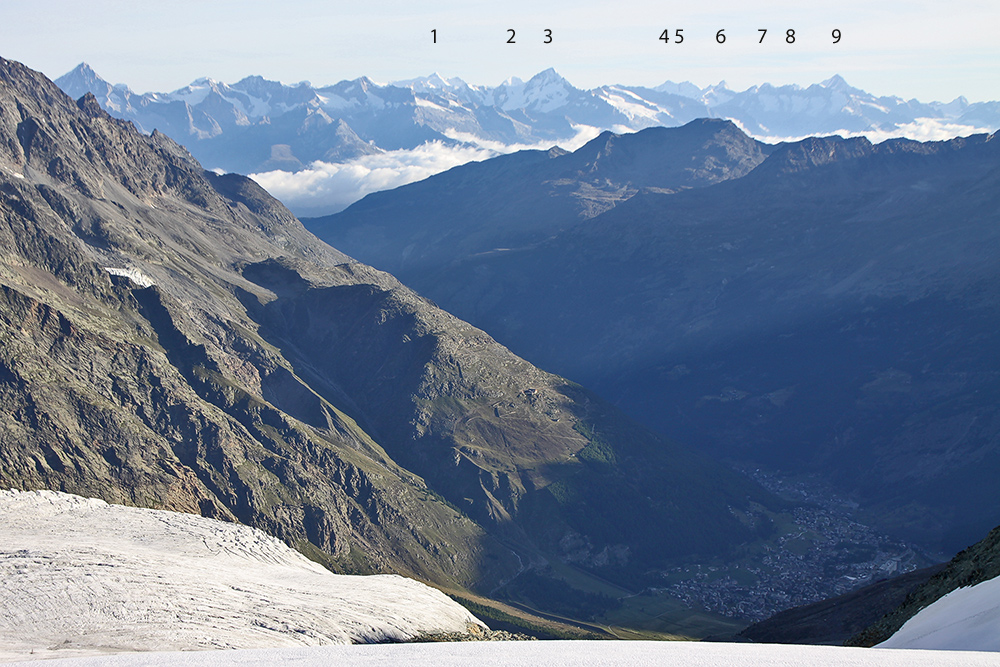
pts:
[256, 125]
[223, 307]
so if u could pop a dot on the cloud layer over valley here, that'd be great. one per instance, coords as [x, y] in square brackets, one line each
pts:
[329, 187]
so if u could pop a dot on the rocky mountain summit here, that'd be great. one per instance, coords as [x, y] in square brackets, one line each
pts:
[515, 201]
[175, 339]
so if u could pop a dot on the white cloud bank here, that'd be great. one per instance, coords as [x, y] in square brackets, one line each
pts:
[326, 187]
[922, 129]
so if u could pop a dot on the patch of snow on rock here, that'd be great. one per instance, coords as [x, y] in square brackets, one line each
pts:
[135, 275]
[82, 577]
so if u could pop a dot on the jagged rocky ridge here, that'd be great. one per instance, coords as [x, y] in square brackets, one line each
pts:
[513, 202]
[176, 339]
[823, 307]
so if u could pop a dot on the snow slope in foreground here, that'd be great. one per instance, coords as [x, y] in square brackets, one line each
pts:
[968, 618]
[81, 577]
[552, 654]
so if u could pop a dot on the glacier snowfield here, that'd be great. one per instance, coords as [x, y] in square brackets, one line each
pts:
[553, 654]
[82, 577]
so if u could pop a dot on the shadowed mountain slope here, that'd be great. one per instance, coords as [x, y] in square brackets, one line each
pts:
[829, 308]
[514, 201]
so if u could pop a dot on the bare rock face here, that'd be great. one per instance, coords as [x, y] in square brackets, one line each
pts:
[176, 339]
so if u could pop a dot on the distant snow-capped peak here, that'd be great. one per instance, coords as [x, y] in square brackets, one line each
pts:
[836, 82]
[434, 83]
[545, 92]
[684, 89]
[83, 79]
[720, 93]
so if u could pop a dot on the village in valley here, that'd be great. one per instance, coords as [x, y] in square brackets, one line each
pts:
[819, 550]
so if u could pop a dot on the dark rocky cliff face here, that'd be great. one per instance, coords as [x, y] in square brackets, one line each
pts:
[172, 338]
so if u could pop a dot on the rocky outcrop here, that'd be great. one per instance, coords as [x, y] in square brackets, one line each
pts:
[160, 393]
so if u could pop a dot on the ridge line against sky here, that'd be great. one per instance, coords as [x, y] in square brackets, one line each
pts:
[510, 80]
[927, 51]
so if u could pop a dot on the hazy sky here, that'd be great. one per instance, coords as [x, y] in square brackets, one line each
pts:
[930, 50]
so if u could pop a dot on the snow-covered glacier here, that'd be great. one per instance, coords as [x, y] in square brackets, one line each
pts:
[81, 577]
